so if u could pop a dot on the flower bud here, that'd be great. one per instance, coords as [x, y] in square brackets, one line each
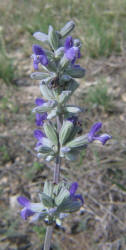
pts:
[72, 109]
[65, 131]
[67, 28]
[77, 43]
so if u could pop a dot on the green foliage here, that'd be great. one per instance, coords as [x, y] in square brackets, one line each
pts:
[6, 69]
[40, 231]
[98, 96]
[6, 63]
[7, 104]
[5, 154]
[40, 20]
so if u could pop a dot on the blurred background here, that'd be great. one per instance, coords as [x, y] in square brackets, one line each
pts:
[101, 170]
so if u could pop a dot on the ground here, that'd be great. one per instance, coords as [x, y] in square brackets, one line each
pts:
[100, 171]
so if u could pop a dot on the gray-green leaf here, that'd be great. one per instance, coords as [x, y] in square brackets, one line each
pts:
[46, 200]
[39, 75]
[53, 38]
[50, 132]
[72, 109]
[41, 36]
[78, 142]
[64, 193]
[65, 131]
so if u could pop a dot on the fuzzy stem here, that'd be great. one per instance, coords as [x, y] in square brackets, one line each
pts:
[56, 178]
[48, 237]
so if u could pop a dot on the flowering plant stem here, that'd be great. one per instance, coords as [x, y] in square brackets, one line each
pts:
[56, 178]
[48, 237]
[65, 140]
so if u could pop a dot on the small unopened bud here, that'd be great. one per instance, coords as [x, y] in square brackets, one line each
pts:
[77, 43]
[67, 29]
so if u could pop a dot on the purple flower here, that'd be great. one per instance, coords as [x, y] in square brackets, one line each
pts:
[40, 117]
[73, 119]
[36, 210]
[26, 211]
[92, 135]
[74, 196]
[71, 52]
[39, 135]
[39, 56]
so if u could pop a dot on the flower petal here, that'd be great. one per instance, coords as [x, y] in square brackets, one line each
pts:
[70, 54]
[79, 197]
[95, 128]
[39, 101]
[25, 213]
[73, 188]
[23, 201]
[38, 50]
[73, 119]
[36, 217]
[43, 60]
[103, 138]
[40, 119]
[68, 43]
[35, 65]
[38, 134]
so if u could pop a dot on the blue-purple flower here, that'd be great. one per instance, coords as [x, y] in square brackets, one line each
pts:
[26, 211]
[73, 189]
[71, 52]
[93, 134]
[73, 119]
[39, 135]
[36, 210]
[40, 118]
[39, 56]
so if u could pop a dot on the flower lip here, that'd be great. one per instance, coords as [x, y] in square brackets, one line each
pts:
[93, 135]
[72, 190]
[73, 119]
[38, 50]
[38, 134]
[39, 101]
[39, 56]
[71, 52]
[26, 211]
[68, 43]
[40, 117]
[23, 201]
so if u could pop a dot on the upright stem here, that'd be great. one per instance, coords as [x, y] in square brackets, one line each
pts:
[56, 178]
[48, 237]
